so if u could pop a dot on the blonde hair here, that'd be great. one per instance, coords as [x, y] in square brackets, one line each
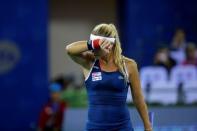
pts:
[109, 30]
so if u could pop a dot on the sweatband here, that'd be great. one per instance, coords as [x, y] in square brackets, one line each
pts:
[89, 45]
[94, 37]
[93, 44]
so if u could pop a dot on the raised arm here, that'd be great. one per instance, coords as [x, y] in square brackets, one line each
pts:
[137, 95]
[78, 51]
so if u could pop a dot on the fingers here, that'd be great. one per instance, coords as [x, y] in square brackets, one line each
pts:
[101, 41]
[106, 45]
[110, 46]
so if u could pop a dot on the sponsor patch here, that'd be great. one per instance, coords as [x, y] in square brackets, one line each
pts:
[96, 76]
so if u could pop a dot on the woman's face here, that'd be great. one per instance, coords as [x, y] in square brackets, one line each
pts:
[104, 51]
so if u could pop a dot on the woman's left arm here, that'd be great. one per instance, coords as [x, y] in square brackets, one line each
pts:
[137, 95]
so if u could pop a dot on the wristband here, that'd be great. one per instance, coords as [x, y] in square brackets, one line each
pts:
[89, 45]
[93, 44]
[95, 37]
[150, 129]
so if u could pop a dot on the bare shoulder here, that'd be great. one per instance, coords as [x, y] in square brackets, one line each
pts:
[130, 62]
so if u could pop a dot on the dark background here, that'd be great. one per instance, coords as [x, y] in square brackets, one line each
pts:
[34, 27]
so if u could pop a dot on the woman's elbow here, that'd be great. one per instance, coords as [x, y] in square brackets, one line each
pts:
[68, 50]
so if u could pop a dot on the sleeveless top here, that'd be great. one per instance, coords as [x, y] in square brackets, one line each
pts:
[107, 94]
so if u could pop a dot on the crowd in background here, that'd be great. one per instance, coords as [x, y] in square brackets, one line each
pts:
[180, 52]
[172, 79]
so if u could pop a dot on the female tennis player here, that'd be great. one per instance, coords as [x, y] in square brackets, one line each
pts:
[108, 75]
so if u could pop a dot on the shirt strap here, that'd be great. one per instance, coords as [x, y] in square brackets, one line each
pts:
[126, 71]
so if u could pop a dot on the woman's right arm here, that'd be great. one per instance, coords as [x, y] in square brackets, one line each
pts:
[78, 51]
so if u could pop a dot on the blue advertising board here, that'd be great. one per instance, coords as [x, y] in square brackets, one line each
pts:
[23, 62]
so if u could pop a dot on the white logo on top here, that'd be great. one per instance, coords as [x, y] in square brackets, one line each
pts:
[120, 77]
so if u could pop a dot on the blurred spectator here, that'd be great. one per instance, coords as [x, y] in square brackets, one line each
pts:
[178, 46]
[52, 114]
[162, 58]
[191, 54]
[64, 81]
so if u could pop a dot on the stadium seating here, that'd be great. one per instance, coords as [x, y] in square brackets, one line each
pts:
[164, 92]
[183, 74]
[187, 77]
[158, 87]
[149, 75]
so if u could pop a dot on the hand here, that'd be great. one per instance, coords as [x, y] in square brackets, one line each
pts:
[148, 129]
[105, 45]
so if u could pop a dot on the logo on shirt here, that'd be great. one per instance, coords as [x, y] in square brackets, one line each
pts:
[120, 77]
[10, 56]
[96, 76]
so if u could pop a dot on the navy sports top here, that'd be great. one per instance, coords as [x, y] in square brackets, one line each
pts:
[107, 94]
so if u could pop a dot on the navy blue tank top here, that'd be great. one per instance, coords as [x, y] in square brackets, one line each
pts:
[107, 94]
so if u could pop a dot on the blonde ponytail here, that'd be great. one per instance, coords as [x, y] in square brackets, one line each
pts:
[109, 30]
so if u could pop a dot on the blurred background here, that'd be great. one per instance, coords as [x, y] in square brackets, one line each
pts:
[35, 70]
